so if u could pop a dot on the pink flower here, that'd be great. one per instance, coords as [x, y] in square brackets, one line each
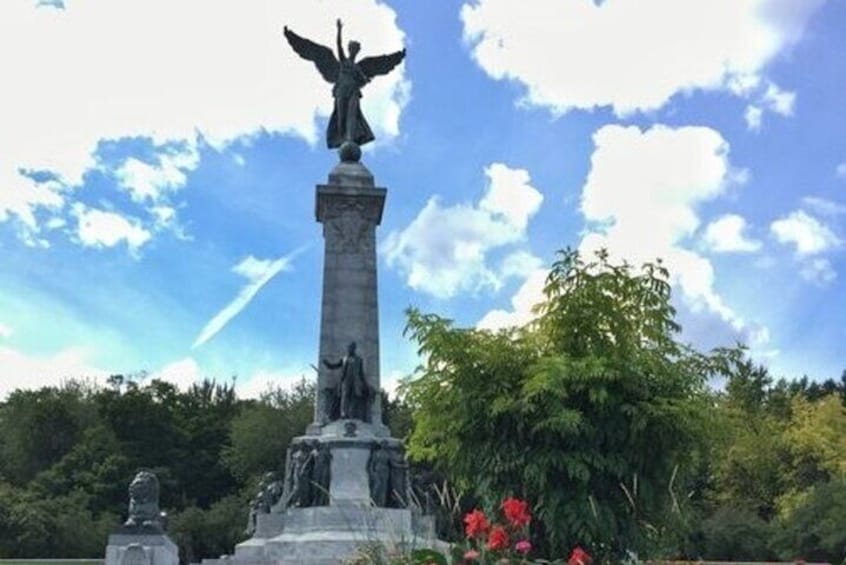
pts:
[471, 555]
[523, 546]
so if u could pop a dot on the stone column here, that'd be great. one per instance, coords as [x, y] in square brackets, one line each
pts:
[349, 207]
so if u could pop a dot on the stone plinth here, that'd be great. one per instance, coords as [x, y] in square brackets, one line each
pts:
[333, 534]
[141, 549]
[350, 208]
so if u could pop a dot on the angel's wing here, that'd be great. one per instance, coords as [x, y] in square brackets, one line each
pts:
[382, 64]
[322, 57]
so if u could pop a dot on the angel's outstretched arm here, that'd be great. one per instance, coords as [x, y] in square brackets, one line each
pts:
[341, 55]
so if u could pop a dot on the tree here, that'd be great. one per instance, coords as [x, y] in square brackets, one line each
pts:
[594, 411]
[263, 430]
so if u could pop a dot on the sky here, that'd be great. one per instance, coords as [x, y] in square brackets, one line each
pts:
[158, 161]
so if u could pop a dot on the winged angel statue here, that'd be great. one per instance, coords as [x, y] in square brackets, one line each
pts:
[347, 123]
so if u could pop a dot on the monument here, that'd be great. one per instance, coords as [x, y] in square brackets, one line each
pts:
[141, 540]
[346, 480]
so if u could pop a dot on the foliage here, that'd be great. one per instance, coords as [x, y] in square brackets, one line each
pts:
[263, 430]
[816, 529]
[595, 411]
[68, 453]
[591, 410]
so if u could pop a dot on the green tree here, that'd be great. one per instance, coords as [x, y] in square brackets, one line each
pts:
[263, 430]
[593, 412]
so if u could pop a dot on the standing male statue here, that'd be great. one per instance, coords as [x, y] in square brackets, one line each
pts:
[347, 125]
[353, 390]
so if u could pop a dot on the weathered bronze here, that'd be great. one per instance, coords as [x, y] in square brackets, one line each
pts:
[379, 468]
[352, 390]
[347, 126]
[399, 478]
[321, 475]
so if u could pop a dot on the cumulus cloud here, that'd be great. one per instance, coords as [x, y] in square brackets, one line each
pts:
[726, 235]
[529, 294]
[635, 56]
[641, 199]
[265, 380]
[258, 273]
[807, 234]
[151, 181]
[772, 99]
[176, 74]
[182, 373]
[22, 371]
[101, 228]
[445, 249]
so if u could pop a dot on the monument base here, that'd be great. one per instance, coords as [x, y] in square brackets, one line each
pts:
[141, 549]
[330, 535]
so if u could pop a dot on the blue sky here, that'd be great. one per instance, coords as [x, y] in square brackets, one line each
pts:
[158, 163]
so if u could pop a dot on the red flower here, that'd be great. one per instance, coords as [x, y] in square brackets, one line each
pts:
[523, 546]
[517, 512]
[475, 524]
[579, 557]
[471, 555]
[498, 538]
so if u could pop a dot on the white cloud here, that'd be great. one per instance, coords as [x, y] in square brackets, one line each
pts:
[100, 228]
[818, 270]
[808, 234]
[841, 170]
[258, 273]
[182, 373]
[779, 101]
[633, 56]
[22, 371]
[169, 72]
[445, 250]
[641, 199]
[753, 116]
[5, 331]
[823, 206]
[772, 99]
[265, 380]
[726, 235]
[529, 294]
[150, 182]
[510, 195]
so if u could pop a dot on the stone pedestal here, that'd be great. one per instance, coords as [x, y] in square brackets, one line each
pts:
[141, 549]
[350, 207]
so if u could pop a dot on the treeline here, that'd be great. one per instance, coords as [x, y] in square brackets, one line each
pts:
[594, 413]
[67, 454]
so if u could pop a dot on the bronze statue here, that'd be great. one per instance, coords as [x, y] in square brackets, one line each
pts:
[347, 124]
[301, 466]
[379, 468]
[269, 491]
[352, 389]
[321, 475]
[399, 478]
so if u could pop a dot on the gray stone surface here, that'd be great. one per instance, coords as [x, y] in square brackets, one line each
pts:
[350, 208]
[140, 549]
